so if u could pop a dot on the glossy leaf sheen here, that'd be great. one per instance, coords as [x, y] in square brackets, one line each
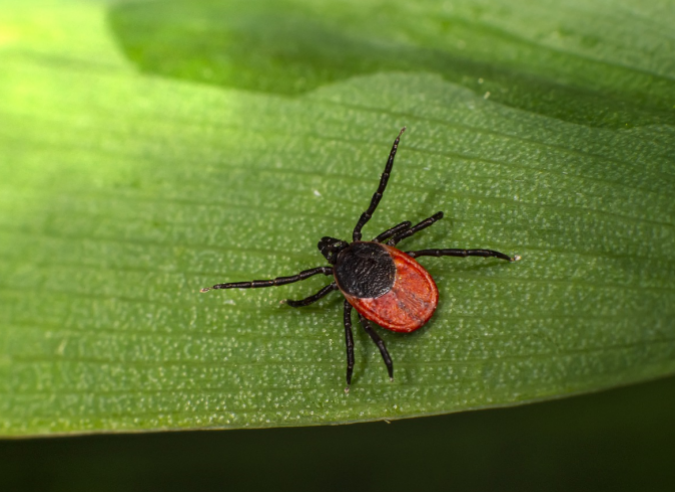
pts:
[126, 185]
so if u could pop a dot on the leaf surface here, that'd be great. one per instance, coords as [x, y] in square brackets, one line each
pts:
[130, 178]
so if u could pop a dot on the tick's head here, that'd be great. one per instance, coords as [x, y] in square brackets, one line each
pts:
[331, 247]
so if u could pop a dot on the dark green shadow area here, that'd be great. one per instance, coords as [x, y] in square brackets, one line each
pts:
[620, 440]
[291, 47]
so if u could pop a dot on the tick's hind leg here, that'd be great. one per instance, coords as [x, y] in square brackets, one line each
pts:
[349, 341]
[485, 253]
[415, 229]
[380, 344]
[313, 298]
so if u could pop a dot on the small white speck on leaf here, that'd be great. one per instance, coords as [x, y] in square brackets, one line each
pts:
[62, 347]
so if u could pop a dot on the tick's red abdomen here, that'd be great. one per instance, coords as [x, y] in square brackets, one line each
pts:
[410, 302]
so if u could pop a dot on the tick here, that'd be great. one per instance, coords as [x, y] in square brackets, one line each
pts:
[384, 284]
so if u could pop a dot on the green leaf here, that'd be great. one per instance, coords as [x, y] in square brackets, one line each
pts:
[150, 149]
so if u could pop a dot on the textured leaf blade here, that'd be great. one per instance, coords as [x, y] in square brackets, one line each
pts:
[122, 194]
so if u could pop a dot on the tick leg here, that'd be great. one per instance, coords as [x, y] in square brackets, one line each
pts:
[485, 253]
[380, 344]
[274, 282]
[409, 232]
[309, 300]
[349, 341]
[393, 231]
[365, 217]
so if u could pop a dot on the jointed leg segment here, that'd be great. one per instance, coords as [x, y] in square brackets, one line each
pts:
[485, 253]
[365, 217]
[274, 282]
[415, 229]
[349, 341]
[380, 344]
[313, 298]
[397, 229]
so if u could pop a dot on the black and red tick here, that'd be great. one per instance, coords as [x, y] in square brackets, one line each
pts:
[384, 284]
